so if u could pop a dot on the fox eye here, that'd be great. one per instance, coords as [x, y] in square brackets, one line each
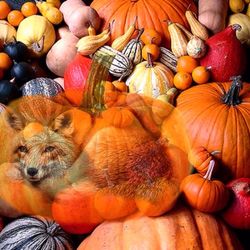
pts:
[49, 149]
[22, 149]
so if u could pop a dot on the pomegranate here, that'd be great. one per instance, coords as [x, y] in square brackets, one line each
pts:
[226, 56]
[237, 214]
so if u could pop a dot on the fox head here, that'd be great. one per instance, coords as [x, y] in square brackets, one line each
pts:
[42, 153]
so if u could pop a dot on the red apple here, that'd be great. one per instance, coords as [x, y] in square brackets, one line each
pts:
[237, 214]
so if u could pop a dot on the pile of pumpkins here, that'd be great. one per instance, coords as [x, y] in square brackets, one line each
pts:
[158, 79]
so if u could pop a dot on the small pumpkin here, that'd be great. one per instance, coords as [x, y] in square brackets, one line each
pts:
[200, 158]
[150, 79]
[225, 129]
[7, 32]
[37, 33]
[34, 233]
[203, 193]
[179, 229]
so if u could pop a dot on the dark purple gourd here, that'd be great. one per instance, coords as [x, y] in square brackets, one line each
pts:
[17, 51]
[8, 91]
[22, 72]
[41, 86]
[17, 4]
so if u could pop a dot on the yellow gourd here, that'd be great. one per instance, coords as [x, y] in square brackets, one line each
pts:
[56, 3]
[248, 10]
[37, 33]
[52, 13]
[236, 6]
[7, 32]
[244, 21]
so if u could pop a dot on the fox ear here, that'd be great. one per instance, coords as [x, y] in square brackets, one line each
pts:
[13, 120]
[63, 124]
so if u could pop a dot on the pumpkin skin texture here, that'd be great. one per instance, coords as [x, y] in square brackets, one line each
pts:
[34, 233]
[176, 230]
[218, 126]
[75, 77]
[150, 14]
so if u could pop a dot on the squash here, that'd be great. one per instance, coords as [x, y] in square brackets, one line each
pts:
[41, 86]
[61, 54]
[158, 11]
[78, 17]
[225, 129]
[37, 33]
[204, 193]
[23, 197]
[7, 32]
[196, 47]
[75, 77]
[244, 21]
[177, 230]
[150, 79]
[34, 233]
[213, 14]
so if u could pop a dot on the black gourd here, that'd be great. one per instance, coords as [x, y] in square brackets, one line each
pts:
[17, 51]
[8, 91]
[17, 4]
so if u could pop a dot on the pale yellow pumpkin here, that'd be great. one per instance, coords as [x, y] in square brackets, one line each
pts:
[150, 80]
[37, 33]
[7, 32]
[244, 21]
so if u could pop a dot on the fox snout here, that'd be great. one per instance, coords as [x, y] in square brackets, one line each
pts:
[32, 171]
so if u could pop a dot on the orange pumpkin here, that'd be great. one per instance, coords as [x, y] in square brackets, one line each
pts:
[151, 14]
[180, 229]
[217, 116]
[22, 196]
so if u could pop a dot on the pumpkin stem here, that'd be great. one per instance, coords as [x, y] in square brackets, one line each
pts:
[139, 34]
[150, 61]
[231, 98]
[215, 152]
[246, 188]
[210, 170]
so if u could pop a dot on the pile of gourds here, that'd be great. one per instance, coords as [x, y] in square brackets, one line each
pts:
[156, 142]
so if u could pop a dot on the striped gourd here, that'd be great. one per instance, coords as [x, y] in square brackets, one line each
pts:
[150, 80]
[34, 233]
[168, 58]
[133, 50]
[119, 65]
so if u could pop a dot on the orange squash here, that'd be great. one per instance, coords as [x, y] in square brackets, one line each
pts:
[180, 229]
[150, 15]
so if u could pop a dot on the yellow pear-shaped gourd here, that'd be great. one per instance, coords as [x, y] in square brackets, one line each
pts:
[7, 32]
[37, 33]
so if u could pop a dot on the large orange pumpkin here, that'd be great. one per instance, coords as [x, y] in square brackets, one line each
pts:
[149, 13]
[179, 230]
[217, 117]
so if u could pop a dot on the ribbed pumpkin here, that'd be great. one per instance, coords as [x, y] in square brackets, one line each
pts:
[34, 233]
[150, 79]
[180, 229]
[22, 196]
[150, 13]
[217, 116]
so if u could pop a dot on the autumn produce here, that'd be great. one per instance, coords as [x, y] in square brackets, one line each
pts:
[237, 212]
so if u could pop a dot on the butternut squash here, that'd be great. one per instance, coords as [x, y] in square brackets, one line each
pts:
[212, 14]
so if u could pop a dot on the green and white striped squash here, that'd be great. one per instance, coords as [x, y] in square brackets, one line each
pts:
[150, 80]
[119, 64]
[34, 233]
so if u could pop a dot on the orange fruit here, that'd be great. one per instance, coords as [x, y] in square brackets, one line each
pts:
[29, 9]
[15, 17]
[4, 9]
[186, 64]
[152, 49]
[151, 36]
[182, 80]
[5, 61]
[201, 74]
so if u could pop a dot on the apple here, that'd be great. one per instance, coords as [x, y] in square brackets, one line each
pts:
[237, 213]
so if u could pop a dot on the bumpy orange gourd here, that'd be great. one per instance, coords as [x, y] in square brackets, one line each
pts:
[216, 116]
[178, 230]
[158, 11]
